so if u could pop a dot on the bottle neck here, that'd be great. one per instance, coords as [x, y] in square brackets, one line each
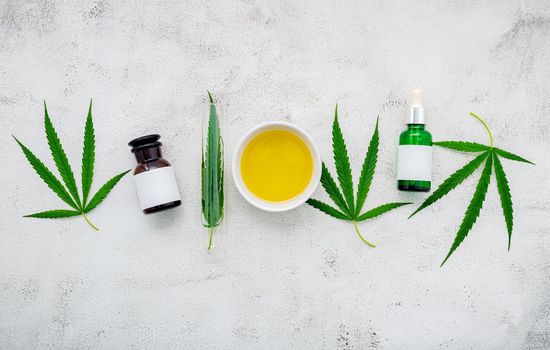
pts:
[148, 154]
[416, 126]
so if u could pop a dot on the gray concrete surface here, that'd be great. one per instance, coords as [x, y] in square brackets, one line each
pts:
[296, 280]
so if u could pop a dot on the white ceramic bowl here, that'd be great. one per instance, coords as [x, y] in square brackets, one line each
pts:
[291, 203]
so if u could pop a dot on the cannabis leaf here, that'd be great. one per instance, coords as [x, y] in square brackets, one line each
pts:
[463, 146]
[88, 156]
[68, 191]
[472, 212]
[505, 197]
[452, 181]
[349, 209]
[490, 156]
[212, 173]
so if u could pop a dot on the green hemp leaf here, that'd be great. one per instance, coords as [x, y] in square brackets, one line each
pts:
[68, 191]
[490, 157]
[349, 208]
[212, 173]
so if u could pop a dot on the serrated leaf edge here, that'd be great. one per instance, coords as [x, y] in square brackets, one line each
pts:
[88, 157]
[505, 197]
[342, 163]
[367, 170]
[60, 158]
[453, 181]
[474, 208]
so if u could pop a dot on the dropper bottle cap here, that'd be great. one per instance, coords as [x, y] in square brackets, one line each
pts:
[417, 111]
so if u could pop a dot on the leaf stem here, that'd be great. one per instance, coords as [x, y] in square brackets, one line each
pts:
[360, 236]
[485, 125]
[211, 229]
[89, 223]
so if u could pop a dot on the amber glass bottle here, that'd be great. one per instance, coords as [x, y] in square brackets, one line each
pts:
[154, 177]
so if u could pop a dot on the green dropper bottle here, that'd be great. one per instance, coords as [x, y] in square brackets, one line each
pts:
[414, 158]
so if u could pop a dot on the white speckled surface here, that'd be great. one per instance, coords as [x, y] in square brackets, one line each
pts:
[297, 280]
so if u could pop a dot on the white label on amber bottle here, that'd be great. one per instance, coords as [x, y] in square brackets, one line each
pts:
[156, 187]
[414, 162]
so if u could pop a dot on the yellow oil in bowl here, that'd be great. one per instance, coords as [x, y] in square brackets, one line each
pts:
[276, 165]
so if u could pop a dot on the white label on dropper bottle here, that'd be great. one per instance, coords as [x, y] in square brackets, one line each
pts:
[156, 187]
[414, 162]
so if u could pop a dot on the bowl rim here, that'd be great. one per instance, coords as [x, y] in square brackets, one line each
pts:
[293, 202]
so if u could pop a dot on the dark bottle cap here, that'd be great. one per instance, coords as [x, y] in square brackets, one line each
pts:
[144, 142]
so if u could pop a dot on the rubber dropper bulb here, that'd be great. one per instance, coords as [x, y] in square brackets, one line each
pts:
[416, 97]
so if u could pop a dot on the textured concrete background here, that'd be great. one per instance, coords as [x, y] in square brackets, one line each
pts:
[296, 280]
